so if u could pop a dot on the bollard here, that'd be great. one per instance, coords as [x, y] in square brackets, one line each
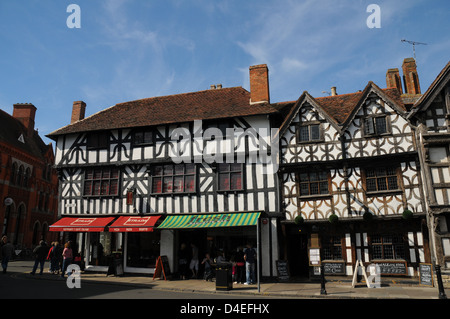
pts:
[322, 280]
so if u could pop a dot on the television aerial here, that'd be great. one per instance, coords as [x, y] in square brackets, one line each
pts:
[414, 43]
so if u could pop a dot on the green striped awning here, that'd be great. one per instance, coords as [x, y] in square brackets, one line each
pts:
[209, 220]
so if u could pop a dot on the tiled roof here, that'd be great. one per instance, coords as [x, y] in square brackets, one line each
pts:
[179, 108]
[10, 131]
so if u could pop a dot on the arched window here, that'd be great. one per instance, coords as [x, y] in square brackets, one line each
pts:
[20, 176]
[36, 233]
[20, 218]
[26, 178]
[44, 231]
[13, 174]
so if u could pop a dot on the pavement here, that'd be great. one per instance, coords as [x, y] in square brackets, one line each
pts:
[336, 288]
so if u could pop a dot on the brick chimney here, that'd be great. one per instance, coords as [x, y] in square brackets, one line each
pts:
[410, 76]
[25, 113]
[393, 80]
[259, 84]
[78, 111]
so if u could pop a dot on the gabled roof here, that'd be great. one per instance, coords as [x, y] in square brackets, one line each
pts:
[179, 108]
[339, 110]
[435, 88]
[13, 132]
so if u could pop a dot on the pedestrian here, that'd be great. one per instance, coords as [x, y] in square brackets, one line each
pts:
[239, 266]
[183, 258]
[67, 258]
[250, 263]
[194, 261]
[40, 253]
[54, 256]
[7, 250]
[208, 268]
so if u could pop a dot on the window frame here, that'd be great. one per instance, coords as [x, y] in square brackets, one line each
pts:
[230, 172]
[144, 142]
[101, 180]
[396, 246]
[309, 182]
[373, 120]
[329, 242]
[94, 141]
[376, 178]
[309, 125]
[173, 175]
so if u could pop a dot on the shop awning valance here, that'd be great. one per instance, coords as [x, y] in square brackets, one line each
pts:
[134, 224]
[81, 224]
[210, 220]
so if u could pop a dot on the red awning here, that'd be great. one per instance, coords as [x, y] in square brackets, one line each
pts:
[81, 224]
[134, 224]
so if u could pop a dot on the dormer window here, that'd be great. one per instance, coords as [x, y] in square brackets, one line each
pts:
[376, 125]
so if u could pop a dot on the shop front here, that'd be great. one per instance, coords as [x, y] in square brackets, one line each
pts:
[101, 240]
[214, 234]
[398, 246]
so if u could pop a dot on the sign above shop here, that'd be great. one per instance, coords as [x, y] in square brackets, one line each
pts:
[210, 220]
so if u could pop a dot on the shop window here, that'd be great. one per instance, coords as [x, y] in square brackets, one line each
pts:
[382, 179]
[376, 125]
[332, 248]
[143, 137]
[101, 182]
[102, 247]
[169, 179]
[142, 249]
[230, 177]
[388, 246]
[310, 132]
[313, 183]
[97, 141]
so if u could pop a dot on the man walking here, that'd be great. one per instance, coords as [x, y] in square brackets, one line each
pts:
[7, 251]
[40, 253]
[250, 263]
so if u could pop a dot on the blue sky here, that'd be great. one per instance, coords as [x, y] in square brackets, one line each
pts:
[133, 49]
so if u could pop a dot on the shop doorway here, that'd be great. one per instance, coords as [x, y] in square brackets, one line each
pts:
[298, 255]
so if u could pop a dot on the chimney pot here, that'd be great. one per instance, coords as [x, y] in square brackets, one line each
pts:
[213, 87]
[78, 111]
[333, 91]
[219, 86]
[259, 84]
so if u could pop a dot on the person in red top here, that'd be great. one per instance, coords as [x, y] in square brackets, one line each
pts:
[67, 257]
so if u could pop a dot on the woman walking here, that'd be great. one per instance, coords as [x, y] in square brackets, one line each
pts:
[67, 257]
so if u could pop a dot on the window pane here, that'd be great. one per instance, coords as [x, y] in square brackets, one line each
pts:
[157, 185]
[304, 189]
[87, 188]
[114, 173]
[168, 169]
[105, 188]
[178, 184]
[148, 137]
[314, 188]
[157, 170]
[168, 185]
[98, 174]
[189, 184]
[190, 168]
[235, 167]
[371, 185]
[370, 173]
[324, 188]
[179, 169]
[224, 181]
[138, 137]
[392, 182]
[89, 174]
[304, 177]
[381, 184]
[97, 186]
[304, 133]
[381, 125]
[114, 187]
[236, 181]
[315, 132]
[368, 126]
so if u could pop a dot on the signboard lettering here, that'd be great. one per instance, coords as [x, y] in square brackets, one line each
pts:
[426, 275]
[283, 270]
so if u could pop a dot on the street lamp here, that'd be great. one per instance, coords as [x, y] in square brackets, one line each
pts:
[322, 280]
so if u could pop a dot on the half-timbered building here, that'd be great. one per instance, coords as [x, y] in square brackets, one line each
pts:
[145, 176]
[431, 116]
[351, 184]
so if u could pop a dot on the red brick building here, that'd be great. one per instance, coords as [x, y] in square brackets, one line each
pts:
[28, 181]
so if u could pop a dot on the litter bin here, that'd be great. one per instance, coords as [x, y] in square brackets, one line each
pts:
[116, 266]
[224, 279]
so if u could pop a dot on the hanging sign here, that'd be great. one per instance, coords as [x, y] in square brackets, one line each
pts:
[8, 201]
